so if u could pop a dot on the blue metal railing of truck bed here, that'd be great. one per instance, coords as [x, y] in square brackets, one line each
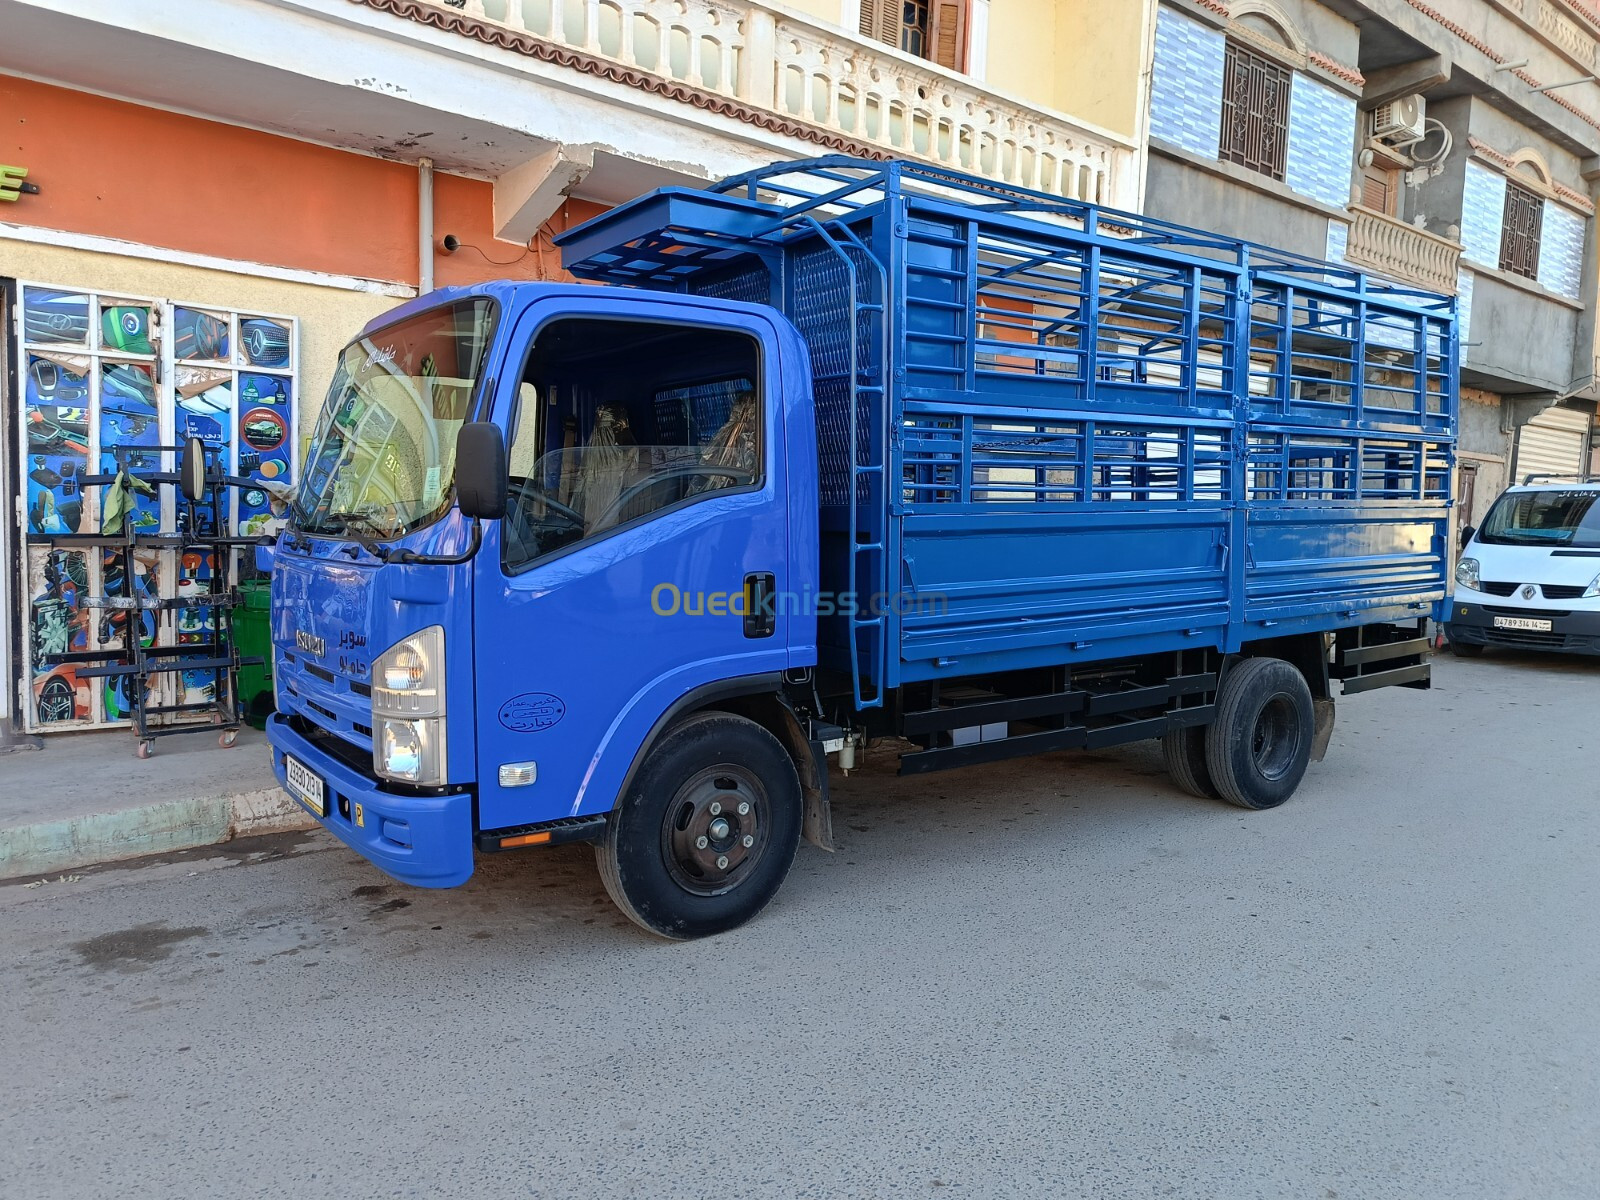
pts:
[1053, 432]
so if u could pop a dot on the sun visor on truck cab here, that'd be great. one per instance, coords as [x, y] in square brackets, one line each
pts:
[664, 237]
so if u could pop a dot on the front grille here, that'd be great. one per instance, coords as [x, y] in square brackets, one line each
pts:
[1563, 591]
[334, 746]
[341, 704]
[1538, 614]
[1497, 589]
[1524, 637]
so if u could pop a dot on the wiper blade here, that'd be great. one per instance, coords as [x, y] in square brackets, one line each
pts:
[357, 525]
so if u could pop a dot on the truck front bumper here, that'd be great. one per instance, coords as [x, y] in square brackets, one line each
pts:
[425, 841]
[1571, 632]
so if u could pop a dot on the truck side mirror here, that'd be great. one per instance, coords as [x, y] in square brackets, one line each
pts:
[481, 479]
[192, 470]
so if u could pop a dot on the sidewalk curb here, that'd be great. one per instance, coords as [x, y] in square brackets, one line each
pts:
[84, 841]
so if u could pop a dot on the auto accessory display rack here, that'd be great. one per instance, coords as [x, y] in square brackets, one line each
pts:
[201, 522]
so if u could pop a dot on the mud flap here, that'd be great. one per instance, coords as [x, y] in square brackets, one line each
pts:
[1322, 715]
[811, 764]
[818, 827]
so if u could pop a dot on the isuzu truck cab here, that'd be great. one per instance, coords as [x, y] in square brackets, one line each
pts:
[838, 450]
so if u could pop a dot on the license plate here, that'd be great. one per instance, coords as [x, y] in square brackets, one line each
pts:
[306, 786]
[1531, 624]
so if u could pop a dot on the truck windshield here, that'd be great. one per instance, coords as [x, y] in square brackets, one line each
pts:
[382, 459]
[1543, 518]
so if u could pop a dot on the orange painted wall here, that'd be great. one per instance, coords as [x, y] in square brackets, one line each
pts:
[465, 207]
[120, 170]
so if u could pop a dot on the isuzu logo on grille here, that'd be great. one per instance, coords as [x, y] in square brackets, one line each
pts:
[309, 643]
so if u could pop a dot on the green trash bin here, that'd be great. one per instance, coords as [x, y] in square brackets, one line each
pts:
[252, 637]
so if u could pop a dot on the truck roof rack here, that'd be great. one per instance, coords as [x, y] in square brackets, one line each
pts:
[665, 237]
[1556, 477]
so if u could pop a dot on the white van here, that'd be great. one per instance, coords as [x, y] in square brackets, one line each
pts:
[1529, 576]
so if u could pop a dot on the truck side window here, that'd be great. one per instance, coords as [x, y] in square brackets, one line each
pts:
[619, 421]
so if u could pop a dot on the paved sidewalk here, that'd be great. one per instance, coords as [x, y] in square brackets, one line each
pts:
[84, 798]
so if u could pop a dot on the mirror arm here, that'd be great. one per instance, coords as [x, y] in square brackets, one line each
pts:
[441, 560]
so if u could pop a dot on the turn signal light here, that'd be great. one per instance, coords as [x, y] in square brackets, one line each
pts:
[525, 839]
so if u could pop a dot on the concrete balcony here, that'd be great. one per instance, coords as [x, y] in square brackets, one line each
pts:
[860, 96]
[1379, 242]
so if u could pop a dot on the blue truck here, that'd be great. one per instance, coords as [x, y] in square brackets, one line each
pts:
[843, 450]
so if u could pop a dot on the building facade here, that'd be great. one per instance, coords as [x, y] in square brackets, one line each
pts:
[202, 200]
[1451, 144]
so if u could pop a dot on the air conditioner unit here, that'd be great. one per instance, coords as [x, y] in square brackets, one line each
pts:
[1400, 121]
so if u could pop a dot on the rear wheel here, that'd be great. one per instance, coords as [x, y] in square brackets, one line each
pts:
[707, 831]
[1185, 752]
[1260, 743]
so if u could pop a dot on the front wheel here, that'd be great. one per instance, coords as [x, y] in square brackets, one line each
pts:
[1259, 745]
[707, 830]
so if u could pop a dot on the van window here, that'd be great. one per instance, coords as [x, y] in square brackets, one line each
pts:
[1543, 518]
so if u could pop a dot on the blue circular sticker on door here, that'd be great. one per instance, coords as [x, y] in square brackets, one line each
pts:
[531, 712]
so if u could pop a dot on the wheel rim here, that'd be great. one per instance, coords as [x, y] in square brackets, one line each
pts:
[56, 702]
[715, 830]
[1275, 741]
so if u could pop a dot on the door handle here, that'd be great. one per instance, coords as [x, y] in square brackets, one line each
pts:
[760, 594]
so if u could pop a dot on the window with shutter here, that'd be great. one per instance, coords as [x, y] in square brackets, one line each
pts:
[949, 34]
[1255, 111]
[1380, 188]
[880, 20]
[931, 29]
[1519, 237]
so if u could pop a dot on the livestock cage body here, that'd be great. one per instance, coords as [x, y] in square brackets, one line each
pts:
[1052, 433]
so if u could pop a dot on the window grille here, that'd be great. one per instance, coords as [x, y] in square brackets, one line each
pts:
[1255, 111]
[1519, 238]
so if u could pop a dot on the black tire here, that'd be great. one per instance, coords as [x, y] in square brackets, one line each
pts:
[1185, 752]
[1465, 649]
[1260, 743]
[673, 856]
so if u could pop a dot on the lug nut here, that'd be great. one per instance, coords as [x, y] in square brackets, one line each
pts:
[715, 808]
[701, 843]
[722, 862]
[749, 841]
[744, 809]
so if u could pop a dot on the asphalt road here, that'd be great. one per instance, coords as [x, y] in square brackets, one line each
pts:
[1054, 978]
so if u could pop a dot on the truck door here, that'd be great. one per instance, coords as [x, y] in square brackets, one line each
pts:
[648, 506]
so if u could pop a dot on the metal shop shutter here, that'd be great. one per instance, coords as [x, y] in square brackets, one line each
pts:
[1556, 442]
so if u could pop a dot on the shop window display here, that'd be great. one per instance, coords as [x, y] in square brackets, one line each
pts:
[107, 379]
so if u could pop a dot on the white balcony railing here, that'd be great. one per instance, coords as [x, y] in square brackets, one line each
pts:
[1402, 251]
[823, 77]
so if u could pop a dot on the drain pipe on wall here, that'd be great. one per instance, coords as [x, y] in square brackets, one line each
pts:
[424, 225]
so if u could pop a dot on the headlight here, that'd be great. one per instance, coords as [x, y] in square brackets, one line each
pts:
[410, 750]
[408, 709]
[1593, 590]
[1467, 574]
[407, 679]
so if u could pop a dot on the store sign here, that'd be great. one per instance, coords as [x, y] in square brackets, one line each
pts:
[11, 185]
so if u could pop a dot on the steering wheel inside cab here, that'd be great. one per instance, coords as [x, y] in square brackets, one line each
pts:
[557, 524]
